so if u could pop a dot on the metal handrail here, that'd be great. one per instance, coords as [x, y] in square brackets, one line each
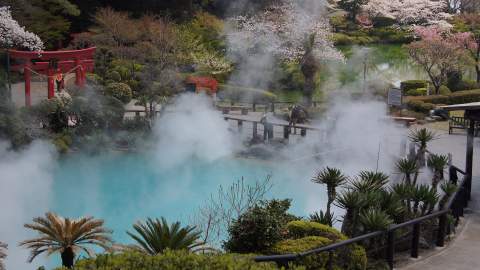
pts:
[454, 205]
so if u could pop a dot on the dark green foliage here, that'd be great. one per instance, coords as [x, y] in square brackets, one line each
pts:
[352, 201]
[407, 167]
[49, 19]
[258, 229]
[154, 236]
[416, 92]
[12, 128]
[299, 228]
[332, 178]
[448, 189]
[171, 260]
[351, 6]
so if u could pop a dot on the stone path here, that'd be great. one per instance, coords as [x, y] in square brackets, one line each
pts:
[464, 252]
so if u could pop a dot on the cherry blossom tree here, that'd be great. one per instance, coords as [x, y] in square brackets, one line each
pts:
[12, 35]
[410, 12]
[291, 30]
[438, 52]
[470, 38]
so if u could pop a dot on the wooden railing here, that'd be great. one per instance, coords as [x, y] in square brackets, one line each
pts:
[454, 206]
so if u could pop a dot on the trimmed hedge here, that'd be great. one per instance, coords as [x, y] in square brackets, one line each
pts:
[412, 85]
[120, 91]
[454, 98]
[178, 260]
[300, 228]
[306, 235]
[420, 106]
[417, 92]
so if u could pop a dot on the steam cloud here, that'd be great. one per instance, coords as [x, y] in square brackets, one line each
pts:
[25, 188]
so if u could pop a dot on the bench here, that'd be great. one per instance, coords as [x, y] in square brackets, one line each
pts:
[456, 122]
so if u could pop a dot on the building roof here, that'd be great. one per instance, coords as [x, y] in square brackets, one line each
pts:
[460, 107]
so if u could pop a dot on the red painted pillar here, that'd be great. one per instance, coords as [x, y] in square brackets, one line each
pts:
[51, 83]
[27, 73]
[78, 73]
[84, 76]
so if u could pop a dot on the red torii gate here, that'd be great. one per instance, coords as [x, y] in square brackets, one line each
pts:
[51, 63]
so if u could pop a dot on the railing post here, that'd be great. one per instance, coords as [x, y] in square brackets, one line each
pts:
[254, 107]
[442, 223]
[452, 172]
[273, 107]
[303, 132]
[255, 129]
[330, 260]
[240, 125]
[415, 240]
[286, 132]
[390, 248]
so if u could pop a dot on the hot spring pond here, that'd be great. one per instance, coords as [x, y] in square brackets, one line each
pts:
[123, 188]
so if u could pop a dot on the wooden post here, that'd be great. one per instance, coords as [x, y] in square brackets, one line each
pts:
[254, 107]
[78, 73]
[51, 83]
[270, 131]
[255, 129]
[240, 125]
[286, 132]
[273, 107]
[415, 240]
[330, 260]
[244, 111]
[442, 223]
[469, 158]
[303, 132]
[390, 248]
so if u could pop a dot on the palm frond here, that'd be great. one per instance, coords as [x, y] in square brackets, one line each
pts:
[155, 235]
[375, 220]
[422, 137]
[330, 176]
[57, 233]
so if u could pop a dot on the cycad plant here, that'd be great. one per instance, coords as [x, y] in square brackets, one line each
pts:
[352, 202]
[369, 181]
[332, 178]
[421, 137]
[375, 220]
[3, 255]
[322, 218]
[392, 205]
[66, 236]
[424, 198]
[437, 164]
[404, 192]
[154, 236]
[448, 189]
[408, 168]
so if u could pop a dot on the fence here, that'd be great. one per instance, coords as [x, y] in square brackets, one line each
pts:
[454, 206]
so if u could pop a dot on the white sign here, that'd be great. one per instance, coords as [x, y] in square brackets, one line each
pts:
[394, 97]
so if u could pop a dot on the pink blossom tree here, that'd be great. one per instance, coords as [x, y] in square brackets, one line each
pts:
[470, 39]
[12, 35]
[410, 12]
[438, 52]
[291, 30]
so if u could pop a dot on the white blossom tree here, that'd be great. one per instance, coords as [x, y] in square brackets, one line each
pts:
[12, 35]
[291, 30]
[410, 12]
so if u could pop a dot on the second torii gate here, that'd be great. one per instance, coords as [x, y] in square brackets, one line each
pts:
[50, 63]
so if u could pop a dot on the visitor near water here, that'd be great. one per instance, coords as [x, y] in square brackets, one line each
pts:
[248, 134]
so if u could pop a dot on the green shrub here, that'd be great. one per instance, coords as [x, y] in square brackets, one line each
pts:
[444, 90]
[301, 228]
[391, 35]
[465, 85]
[178, 260]
[352, 257]
[454, 98]
[114, 76]
[417, 92]
[420, 106]
[259, 228]
[120, 91]
[339, 23]
[413, 84]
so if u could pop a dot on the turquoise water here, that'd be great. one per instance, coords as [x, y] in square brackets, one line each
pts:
[124, 188]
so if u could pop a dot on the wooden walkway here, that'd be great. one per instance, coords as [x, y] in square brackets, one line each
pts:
[268, 127]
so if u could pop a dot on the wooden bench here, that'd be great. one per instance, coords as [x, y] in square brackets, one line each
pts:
[456, 122]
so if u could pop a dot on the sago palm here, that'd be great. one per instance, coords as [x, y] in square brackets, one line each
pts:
[392, 205]
[351, 201]
[448, 189]
[421, 137]
[332, 178]
[404, 192]
[3, 255]
[322, 218]
[437, 163]
[66, 236]
[408, 168]
[369, 180]
[154, 236]
[375, 220]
